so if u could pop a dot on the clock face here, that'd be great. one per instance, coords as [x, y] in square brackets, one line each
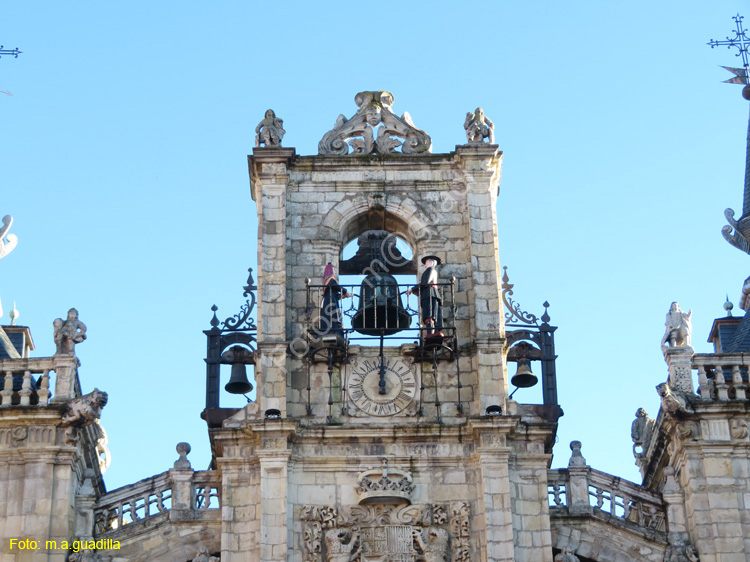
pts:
[386, 394]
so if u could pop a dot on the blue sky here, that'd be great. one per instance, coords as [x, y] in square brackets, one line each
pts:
[123, 161]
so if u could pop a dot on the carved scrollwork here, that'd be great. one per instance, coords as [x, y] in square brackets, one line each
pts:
[7, 241]
[733, 234]
[461, 527]
[357, 133]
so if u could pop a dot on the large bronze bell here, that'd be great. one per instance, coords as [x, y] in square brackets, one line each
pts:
[238, 383]
[238, 357]
[524, 378]
[380, 311]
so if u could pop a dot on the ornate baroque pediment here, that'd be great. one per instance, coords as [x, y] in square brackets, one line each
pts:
[372, 130]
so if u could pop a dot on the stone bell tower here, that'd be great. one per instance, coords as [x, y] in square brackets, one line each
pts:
[382, 428]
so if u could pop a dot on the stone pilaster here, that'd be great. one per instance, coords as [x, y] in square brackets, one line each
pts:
[269, 177]
[493, 456]
[274, 492]
[680, 369]
[528, 477]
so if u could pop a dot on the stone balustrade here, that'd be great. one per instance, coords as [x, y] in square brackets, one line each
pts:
[175, 494]
[19, 386]
[722, 377]
[590, 492]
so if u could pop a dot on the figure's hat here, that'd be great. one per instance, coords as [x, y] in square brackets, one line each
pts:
[328, 273]
[437, 259]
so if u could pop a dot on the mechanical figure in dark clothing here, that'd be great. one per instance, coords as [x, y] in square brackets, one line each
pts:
[430, 302]
[330, 310]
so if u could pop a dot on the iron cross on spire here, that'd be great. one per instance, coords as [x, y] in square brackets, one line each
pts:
[741, 42]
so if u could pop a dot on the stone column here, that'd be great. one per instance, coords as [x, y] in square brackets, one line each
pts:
[269, 177]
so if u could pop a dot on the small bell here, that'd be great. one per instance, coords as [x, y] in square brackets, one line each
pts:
[524, 378]
[238, 383]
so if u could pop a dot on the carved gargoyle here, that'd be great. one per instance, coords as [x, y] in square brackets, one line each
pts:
[84, 410]
[672, 403]
[641, 431]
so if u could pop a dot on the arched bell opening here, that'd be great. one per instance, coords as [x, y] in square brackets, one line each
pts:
[379, 267]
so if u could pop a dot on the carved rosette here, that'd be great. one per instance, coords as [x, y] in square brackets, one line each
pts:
[358, 133]
[371, 532]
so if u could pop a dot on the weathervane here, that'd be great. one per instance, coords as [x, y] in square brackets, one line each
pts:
[737, 232]
[13, 52]
[741, 42]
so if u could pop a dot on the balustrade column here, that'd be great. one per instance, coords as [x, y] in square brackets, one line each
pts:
[43, 391]
[6, 395]
[25, 392]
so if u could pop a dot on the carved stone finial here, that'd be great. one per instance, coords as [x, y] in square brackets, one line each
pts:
[270, 130]
[576, 458]
[68, 332]
[566, 555]
[641, 431]
[84, 410]
[183, 449]
[479, 127]
[678, 328]
[13, 314]
[374, 112]
[6, 246]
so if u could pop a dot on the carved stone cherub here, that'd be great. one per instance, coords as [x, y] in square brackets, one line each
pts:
[479, 127]
[678, 328]
[435, 546]
[270, 131]
[67, 333]
[84, 410]
[341, 545]
[673, 404]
